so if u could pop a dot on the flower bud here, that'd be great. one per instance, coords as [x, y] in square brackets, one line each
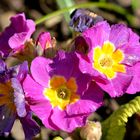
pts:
[58, 138]
[91, 131]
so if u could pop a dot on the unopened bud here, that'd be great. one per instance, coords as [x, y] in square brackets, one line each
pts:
[58, 138]
[91, 131]
[50, 52]
[80, 45]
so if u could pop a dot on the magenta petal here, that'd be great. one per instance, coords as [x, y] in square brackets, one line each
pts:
[132, 55]
[20, 19]
[65, 122]
[65, 64]
[43, 109]
[89, 102]
[131, 49]
[82, 81]
[37, 101]
[44, 38]
[119, 35]
[133, 38]
[31, 26]
[22, 31]
[20, 24]
[135, 84]
[49, 123]
[85, 66]
[40, 70]
[17, 40]
[96, 35]
[117, 86]
[16, 34]
[33, 91]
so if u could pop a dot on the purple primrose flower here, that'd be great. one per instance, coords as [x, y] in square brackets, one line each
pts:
[12, 101]
[59, 94]
[16, 34]
[113, 58]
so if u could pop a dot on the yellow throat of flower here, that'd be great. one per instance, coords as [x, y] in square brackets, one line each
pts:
[107, 60]
[61, 92]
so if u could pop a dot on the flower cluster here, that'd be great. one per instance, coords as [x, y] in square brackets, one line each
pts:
[63, 88]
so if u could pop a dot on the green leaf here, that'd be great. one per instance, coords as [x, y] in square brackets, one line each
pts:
[114, 127]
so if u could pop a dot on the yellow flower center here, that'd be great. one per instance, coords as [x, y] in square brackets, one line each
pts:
[61, 92]
[107, 60]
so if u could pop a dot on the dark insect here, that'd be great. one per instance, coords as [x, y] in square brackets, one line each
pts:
[82, 19]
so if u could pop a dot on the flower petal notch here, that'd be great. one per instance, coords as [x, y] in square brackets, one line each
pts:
[60, 95]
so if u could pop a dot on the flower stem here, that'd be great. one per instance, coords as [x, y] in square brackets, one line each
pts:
[108, 6]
